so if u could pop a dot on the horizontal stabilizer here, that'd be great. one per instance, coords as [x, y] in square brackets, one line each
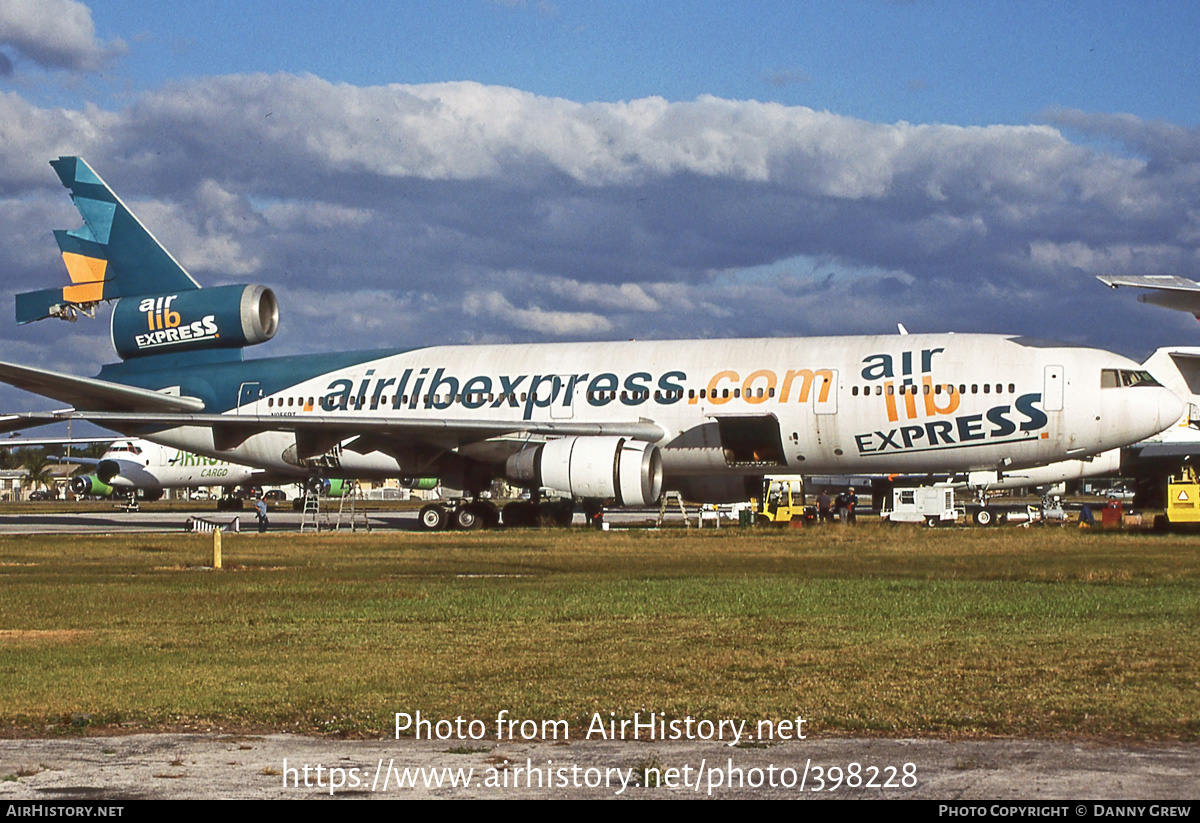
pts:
[111, 255]
[92, 394]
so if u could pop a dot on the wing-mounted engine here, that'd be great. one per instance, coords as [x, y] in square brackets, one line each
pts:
[328, 486]
[89, 485]
[598, 468]
[226, 317]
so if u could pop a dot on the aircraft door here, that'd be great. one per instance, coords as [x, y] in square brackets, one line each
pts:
[248, 393]
[825, 405]
[1052, 391]
[825, 392]
[563, 407]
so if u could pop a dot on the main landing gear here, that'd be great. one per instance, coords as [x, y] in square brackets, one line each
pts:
[983, 516]
[469, 515]
[542, 514]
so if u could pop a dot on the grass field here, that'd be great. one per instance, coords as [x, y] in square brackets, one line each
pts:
[875, 630]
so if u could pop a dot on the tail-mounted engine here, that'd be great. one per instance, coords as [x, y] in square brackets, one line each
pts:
[226, 317]
[596, 468]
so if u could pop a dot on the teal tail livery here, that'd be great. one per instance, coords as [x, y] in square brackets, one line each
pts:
[159, 308]
[110, 256]
[596, 423]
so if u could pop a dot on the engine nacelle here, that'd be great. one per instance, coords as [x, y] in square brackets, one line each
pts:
[226, 317]
[329, 486]
[90, 485]
[106, 470]
[597, 468]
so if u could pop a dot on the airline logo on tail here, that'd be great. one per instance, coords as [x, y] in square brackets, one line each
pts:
[166, 326]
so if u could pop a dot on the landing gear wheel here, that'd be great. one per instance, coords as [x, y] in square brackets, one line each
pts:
[551, 514]
[490, 513]
[564, 514]
[433, 517]
[984, 517]
[468, 518]
[518, 514]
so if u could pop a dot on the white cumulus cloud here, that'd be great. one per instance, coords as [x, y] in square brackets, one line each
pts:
[55, 34]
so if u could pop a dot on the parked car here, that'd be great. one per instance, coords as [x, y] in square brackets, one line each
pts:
[276, 495]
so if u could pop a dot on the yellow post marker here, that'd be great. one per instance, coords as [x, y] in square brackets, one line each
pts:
[216, 548]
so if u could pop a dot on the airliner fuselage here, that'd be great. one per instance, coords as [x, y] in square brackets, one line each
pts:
[873, 404]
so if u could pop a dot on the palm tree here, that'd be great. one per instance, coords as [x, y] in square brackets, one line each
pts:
[37, 471]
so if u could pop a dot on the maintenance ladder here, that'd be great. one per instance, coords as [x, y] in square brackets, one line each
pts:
[316, 516]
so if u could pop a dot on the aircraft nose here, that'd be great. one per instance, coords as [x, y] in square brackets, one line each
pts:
[1169, 410]
[1135, 413]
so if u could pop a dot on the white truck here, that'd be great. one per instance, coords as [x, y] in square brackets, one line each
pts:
[931, 505]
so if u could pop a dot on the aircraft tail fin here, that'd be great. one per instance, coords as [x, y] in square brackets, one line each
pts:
[111, 255]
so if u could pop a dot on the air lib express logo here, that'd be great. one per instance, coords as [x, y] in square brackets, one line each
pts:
[167, 327]
[912, 395]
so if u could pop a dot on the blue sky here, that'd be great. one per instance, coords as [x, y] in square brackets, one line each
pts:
[968, 63]
[415, 173]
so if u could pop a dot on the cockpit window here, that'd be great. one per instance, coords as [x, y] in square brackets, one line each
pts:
[1124, 378]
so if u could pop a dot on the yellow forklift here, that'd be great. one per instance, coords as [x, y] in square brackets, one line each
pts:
[781, 501]
[1183, 499]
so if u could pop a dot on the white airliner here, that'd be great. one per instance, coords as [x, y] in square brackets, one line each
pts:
[613, 422]
[148, 468]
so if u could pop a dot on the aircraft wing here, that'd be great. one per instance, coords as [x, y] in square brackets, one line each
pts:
[23, 442]
[29, 420]
[1171, 449]
[92, 392]
[122, 408]
[316, 434]
[1166, 290]
[83, 461]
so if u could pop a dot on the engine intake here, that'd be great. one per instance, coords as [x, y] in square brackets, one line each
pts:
[89, 484]
[226, 317]
[598, 468]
